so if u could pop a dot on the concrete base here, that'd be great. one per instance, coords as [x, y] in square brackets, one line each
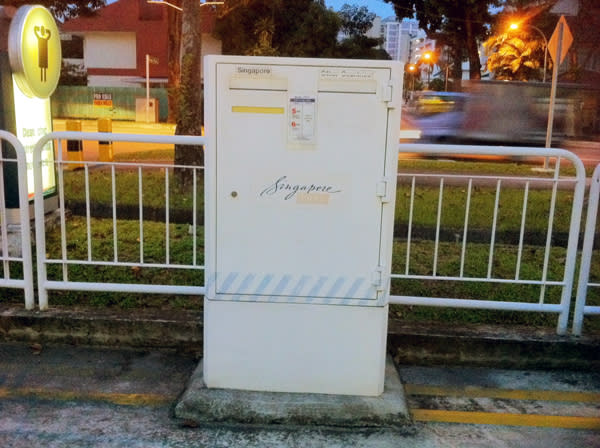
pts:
[199, 404]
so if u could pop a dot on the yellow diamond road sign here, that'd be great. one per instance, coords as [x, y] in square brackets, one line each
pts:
[566, 40]
[34, 51]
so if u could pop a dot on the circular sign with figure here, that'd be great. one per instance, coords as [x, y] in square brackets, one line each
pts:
[34, 51]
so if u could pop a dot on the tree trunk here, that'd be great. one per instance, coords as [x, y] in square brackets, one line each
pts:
[174, 47]
[190, 115]
[472, 48]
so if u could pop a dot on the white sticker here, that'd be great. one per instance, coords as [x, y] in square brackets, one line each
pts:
[347, 74]
[301, 127]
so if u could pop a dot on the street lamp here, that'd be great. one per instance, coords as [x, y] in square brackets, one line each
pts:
[515, 26]
[428, 57]
[411, 69]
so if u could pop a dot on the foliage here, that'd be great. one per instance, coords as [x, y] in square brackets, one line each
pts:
[303, 28]
[361, 47]
[299, 28]
[264, 30]
[72, 75]
[355, 23]
[515, 57]
[356, 20]
[437, 84]
[62, 9]
[458, 25]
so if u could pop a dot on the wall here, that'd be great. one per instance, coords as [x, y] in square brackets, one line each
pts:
[77, 102]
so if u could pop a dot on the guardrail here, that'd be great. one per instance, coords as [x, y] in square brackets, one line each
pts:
[119, 255]
[584, 283]
[486, 271]
[7, 280]
[85, 248]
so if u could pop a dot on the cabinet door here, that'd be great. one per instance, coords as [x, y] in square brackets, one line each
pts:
[297, 222]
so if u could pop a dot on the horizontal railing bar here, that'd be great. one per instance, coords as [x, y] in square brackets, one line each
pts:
[134, 138]
[125, 264]
[12, 258]
[474, 304]
[477, 279]
[589, 309]
[426, 148]
[12, 283]
[486, 177]
[125, 287]
[127, 164]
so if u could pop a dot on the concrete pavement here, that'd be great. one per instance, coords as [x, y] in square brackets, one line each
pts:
[70, 396]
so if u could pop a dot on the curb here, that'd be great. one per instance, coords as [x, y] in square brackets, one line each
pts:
[432, 343]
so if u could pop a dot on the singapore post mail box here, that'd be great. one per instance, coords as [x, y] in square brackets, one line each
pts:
[300, 187]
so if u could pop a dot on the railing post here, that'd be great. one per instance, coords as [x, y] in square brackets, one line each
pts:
[24, 221]
[586, 253]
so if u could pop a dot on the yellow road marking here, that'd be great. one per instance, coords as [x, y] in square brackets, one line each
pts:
[61, 395]
[257, 110]
[511, 394]
[505, 419]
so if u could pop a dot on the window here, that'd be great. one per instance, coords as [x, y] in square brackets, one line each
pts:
[72, 46]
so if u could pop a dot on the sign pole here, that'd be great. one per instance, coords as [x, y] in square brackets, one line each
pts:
[553, 88]
[558, 45]
[147, 88]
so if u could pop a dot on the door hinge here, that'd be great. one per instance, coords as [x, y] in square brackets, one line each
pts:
[377, 278]
[383, 191]
[387, 92]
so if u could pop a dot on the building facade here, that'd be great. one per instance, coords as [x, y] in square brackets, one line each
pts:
[112, 45]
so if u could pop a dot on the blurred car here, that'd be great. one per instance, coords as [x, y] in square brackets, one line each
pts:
[439, 115]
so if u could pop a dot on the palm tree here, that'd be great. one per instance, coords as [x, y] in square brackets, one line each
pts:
[516, 57]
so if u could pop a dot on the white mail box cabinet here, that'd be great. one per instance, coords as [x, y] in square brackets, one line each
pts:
[300, 174]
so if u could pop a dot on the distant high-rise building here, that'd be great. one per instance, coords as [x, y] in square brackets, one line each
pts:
[398, 36]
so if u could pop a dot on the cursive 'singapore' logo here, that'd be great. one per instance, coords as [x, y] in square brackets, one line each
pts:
[288, 189]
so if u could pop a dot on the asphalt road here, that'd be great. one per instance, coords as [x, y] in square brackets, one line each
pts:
[68, 396]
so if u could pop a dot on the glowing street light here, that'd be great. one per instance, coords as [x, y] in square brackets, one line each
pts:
[411, 69]
[515, 26]
[428, 58]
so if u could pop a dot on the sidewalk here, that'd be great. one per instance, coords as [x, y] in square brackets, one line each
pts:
[69, 396]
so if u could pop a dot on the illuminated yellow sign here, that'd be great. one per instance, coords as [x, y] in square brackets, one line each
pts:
[34, 51]
[32, 119]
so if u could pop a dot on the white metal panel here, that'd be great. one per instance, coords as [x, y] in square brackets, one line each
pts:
[295, 347]
[298, 215]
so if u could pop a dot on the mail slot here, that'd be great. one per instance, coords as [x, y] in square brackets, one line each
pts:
[300, 195]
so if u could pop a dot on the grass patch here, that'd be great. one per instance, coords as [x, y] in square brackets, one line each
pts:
[481, 212]
[421, 262]
[497, 168]
[147, 155]
[127, 186]
[151, 247]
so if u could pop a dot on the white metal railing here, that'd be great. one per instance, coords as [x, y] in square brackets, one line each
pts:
[584, 283]
[121, 256]
[118, 258]
[576, 184]
[25, 281]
